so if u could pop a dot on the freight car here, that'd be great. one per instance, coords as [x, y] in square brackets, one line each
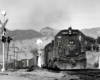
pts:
[18, 64]
[27, 63]
[66, 51]
[23, 64]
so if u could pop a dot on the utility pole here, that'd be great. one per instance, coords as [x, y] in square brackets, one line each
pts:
[14, 54]
[7, 57]
[11, 59]
[8, 40]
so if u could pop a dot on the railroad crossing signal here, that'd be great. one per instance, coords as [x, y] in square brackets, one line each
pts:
[3, 25]
[3, 30]
[3, 37]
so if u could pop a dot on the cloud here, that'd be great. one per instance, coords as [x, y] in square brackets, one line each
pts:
[36, 14]
[32, 14]
[43, 13]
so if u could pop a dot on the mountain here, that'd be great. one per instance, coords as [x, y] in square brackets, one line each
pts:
[26, 39]
[93, 32]
[47, 31]
[23, 34]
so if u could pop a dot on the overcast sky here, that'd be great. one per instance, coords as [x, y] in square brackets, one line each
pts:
[58, 14]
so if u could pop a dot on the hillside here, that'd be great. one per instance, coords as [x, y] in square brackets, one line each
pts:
[47, 31]
[93, 32]
[24, 47]
[24, 34]
[25, 40]
[22, 39]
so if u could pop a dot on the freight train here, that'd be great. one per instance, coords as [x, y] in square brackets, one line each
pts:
[66, 51]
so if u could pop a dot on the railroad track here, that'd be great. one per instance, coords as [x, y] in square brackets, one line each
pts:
[84, 74]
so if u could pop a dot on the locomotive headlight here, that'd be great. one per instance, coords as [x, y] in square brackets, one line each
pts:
[69, 31]
[59, 36]
[71, 42]
[85, 42]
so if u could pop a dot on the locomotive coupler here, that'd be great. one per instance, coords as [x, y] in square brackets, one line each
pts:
[73, 63]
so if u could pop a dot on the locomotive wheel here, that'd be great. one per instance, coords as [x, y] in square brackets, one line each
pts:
[54, 66]
[50, 64]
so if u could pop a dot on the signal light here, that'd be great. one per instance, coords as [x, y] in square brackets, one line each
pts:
[9, 39]
[3, 39]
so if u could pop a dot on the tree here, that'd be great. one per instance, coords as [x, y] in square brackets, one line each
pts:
[98, 40]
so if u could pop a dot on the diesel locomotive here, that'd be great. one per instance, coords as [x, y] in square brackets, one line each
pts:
[66, 51]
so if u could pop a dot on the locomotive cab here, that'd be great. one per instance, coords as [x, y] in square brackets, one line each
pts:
[70, 43]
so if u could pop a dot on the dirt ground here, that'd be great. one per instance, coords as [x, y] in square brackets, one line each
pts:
[92, 58]
[34, 75]
[44, 74]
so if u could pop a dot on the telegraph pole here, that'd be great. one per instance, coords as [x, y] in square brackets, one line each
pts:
[8, 40]
[14, 53]
[7, 57]
[10, 57]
